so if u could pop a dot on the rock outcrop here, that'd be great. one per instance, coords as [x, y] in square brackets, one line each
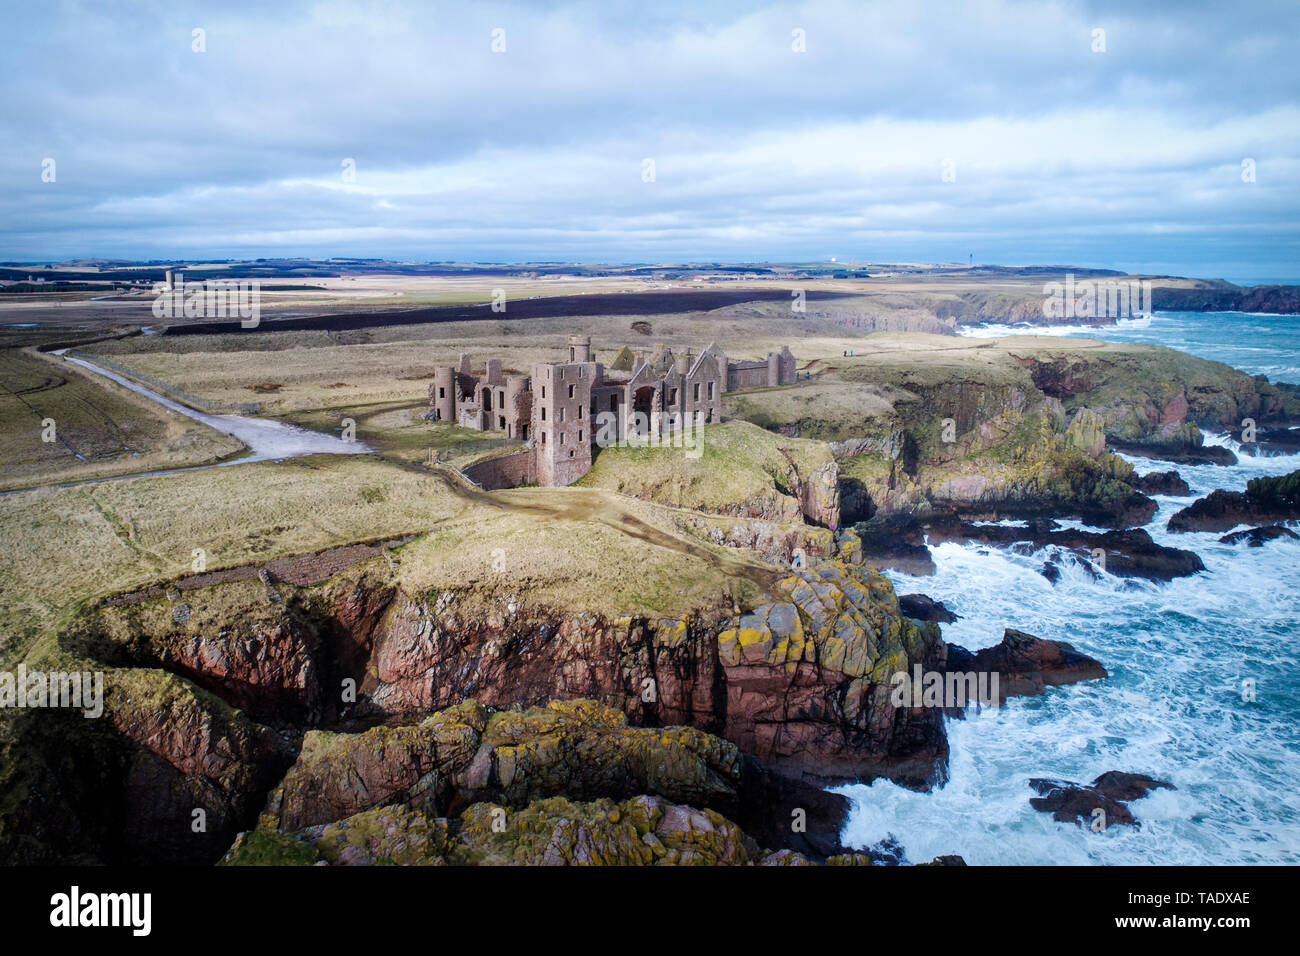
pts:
[1179, 450]
[556, 831]
[800, 681]
[1256, 537]
[895, 542]
[1129, 553]
[1110, 793]
[1265, 501]
[1162, 483]
[168, 775]
[1026, 665]
[922, 607]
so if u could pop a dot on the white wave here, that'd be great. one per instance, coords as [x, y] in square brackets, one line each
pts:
[1172, 707]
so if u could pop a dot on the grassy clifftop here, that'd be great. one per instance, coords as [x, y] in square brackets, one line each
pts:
[740, 469]
[921, 422]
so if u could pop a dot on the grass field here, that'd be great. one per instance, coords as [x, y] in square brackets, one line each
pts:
[586, 548]
[66, 545]
[100, 429]
[738, 463]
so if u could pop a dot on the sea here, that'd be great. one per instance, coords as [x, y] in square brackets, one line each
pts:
[1177, 704]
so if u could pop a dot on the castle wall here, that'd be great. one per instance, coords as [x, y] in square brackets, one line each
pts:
[746, 375]
[504, 471]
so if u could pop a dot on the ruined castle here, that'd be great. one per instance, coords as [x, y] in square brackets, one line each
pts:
[562, 411]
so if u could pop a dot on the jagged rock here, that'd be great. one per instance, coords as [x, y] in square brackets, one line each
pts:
[803, 699]
[579, 749]
[1270, 441]
[1162, 483]
[639, 831]
[921, 607]
[1087, 433]
[1026, 665]
[1255, 537]
[895, 542]
[1179, 452]
[1127, 553]
[128, 788]
[1121, 785]
[1068, 801]
[1265, 501]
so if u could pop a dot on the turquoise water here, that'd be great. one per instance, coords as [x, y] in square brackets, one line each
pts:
[1172, 707]
[1259, 344]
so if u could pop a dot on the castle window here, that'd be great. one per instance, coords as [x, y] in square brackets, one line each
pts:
[561, 438]
[543, 391]
[672, 396]
[571, 391]
[543, 413]
[570, 454]
[559, 414]
[697, 391]
[543, 438]
[579, 436]
[579, 413]
[442, 392]
[501, 422]
[710, 391]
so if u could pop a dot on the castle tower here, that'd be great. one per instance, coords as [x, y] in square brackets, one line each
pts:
[561, 420]
[443, 393]
[518, 407]
[579, 348]
[789, 371]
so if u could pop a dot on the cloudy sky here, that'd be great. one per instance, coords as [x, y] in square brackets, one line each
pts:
[655, 131]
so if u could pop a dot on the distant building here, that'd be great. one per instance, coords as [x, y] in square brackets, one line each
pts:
[560, 409]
